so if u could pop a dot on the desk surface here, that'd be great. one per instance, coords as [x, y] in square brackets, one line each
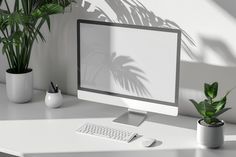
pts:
[32, 129]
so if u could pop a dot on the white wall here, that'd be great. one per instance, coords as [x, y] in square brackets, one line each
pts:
[210, 23]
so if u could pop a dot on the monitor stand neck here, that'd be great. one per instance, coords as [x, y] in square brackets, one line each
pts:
[132, 117]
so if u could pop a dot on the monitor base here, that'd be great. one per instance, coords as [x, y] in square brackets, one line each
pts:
[132, 117]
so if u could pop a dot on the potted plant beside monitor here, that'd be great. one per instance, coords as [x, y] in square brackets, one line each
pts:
[209, 127]
[20, 26]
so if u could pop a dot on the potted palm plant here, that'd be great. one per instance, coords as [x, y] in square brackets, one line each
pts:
[209, 127]
[20, 27]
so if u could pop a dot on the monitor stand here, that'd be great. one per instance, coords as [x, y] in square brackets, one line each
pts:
[132, 117]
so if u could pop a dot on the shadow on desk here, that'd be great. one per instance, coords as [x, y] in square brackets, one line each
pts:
[229, 145]
[71, 109]
[180, 121]
[6, 155]
[184, 122]
[146, 153]
[76, 109]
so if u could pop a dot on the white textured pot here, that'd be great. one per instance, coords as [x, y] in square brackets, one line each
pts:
[210, 136]
[19, 86]
[54, 100]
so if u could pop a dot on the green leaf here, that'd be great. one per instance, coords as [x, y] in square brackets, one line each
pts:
[221, 111]
[48, 23]
[21, 26]
[211, 121]
[207, 120]
[47, 9]
[26, 6]
[206, 89]
[214, 87]
[219, 105]
[211, 90]
[200, 107]
[16, 6]
[209, 109]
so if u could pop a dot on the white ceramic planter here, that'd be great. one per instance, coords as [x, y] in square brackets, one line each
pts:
[210, 136]
[19, 86]
[53, 100]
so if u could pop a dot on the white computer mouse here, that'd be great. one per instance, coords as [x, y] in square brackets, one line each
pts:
[147, 142]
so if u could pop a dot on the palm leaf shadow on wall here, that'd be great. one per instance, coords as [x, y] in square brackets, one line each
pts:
[129, 77]
[124, 73]
[219, 47]
[134, 12]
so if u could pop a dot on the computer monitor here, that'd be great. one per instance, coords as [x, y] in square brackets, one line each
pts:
[131, 66]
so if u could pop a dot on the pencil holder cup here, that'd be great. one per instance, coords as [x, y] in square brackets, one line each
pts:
[54, 100]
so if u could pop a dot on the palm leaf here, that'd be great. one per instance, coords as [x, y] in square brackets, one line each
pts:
[16, 6]
[46, 10]
[25, 6]
[21, 26]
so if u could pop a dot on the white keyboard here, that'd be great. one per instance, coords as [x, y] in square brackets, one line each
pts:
[110, 133]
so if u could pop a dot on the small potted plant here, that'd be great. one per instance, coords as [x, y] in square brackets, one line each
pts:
[20, 27]
[209, 127]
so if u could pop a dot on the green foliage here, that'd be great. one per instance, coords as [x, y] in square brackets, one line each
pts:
[20, 26]
[210, 108]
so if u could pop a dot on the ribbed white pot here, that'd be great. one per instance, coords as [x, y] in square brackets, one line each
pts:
[210, 136]
[19, 86]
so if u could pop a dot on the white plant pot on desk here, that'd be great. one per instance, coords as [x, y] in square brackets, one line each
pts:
[19, 86]
[54, 100]
[210, 136]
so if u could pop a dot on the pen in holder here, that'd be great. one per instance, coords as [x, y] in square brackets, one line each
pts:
[53, 98]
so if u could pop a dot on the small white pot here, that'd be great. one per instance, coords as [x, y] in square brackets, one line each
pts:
[53, 100]
[210, 136]
[19, 86]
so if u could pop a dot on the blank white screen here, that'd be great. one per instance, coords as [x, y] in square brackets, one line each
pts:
[129, 61]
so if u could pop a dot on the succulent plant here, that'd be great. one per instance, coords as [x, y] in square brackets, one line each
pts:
[210, 108]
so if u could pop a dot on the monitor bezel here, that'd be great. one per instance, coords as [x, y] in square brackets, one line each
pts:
[178, 32]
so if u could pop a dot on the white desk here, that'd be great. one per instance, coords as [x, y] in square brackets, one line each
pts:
[33, 130]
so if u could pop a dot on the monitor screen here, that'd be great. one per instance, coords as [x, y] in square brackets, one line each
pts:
[126, 61]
